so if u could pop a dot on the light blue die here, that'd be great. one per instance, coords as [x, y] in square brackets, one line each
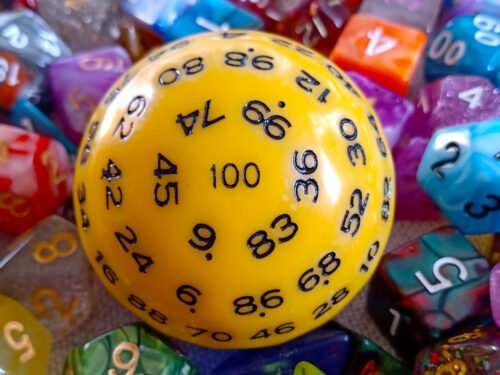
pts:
[175, 19]
[210, 15]
[460, 170]
[466, 45]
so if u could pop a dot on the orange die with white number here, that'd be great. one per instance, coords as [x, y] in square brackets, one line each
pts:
[45, 269]
[24, 343]
[385, 52]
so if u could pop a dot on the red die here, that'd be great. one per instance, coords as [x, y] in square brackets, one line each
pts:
[318, 23]
[35, 178]
[15, 78]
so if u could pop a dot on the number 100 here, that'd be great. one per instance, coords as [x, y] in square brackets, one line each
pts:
[230, 175]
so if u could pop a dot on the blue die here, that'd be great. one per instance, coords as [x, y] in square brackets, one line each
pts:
[460, 170]
[27, 116]
[211, 15]
[466, 45]
[174, 19]
[323, 351]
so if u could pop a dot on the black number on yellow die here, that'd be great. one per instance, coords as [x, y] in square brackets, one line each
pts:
[139, 304]
[128, 242]
[164, 192]
[216, 336]
[372, 253]
[241, 59]
[188, 122]
[311, 278]
[327, 306]
[247, 305]
[279, 330]
[260, 243]
[308, 83]
[306, 166]
[256, 112]
[352, 217]
[355, 151]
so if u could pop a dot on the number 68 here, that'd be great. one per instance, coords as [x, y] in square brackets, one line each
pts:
[489, 30]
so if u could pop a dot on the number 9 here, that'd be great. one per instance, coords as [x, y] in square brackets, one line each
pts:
[131, 364]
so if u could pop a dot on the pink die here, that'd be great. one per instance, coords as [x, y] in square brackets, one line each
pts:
[495, 293]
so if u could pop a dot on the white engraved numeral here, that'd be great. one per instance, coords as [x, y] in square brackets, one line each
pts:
[472, 96]
[379, 43]
[395, 321]
[443, 283]
[211, 26]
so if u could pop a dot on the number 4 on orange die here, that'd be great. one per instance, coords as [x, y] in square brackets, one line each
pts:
[246, 187]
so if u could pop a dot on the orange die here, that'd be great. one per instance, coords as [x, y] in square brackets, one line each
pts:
[385, 52]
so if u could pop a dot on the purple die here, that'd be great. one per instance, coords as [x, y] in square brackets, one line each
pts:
[495, 293]
[79, 82]
[322, 351]
[392, 110]
[454, 100]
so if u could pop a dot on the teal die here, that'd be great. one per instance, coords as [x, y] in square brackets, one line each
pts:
[460, 170]
[175, 19]
[130, 350]
[211, 15]
[466, 45]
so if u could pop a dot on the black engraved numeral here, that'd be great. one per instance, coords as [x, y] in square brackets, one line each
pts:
[135, 109]
[355, 152]
[163, 193]
[189, 121]
[453, 148]
[308, 83]
[352, 218]
[255, 112]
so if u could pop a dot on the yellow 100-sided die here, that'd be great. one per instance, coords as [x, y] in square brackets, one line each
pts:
[234, 190]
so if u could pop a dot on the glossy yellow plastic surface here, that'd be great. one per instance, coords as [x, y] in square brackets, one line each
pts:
[24, 342]
[234, 190]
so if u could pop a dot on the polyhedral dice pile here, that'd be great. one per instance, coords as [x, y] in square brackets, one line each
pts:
[429, 68]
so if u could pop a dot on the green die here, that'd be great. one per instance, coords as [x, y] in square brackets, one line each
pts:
[367, 358]
[129, 350]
